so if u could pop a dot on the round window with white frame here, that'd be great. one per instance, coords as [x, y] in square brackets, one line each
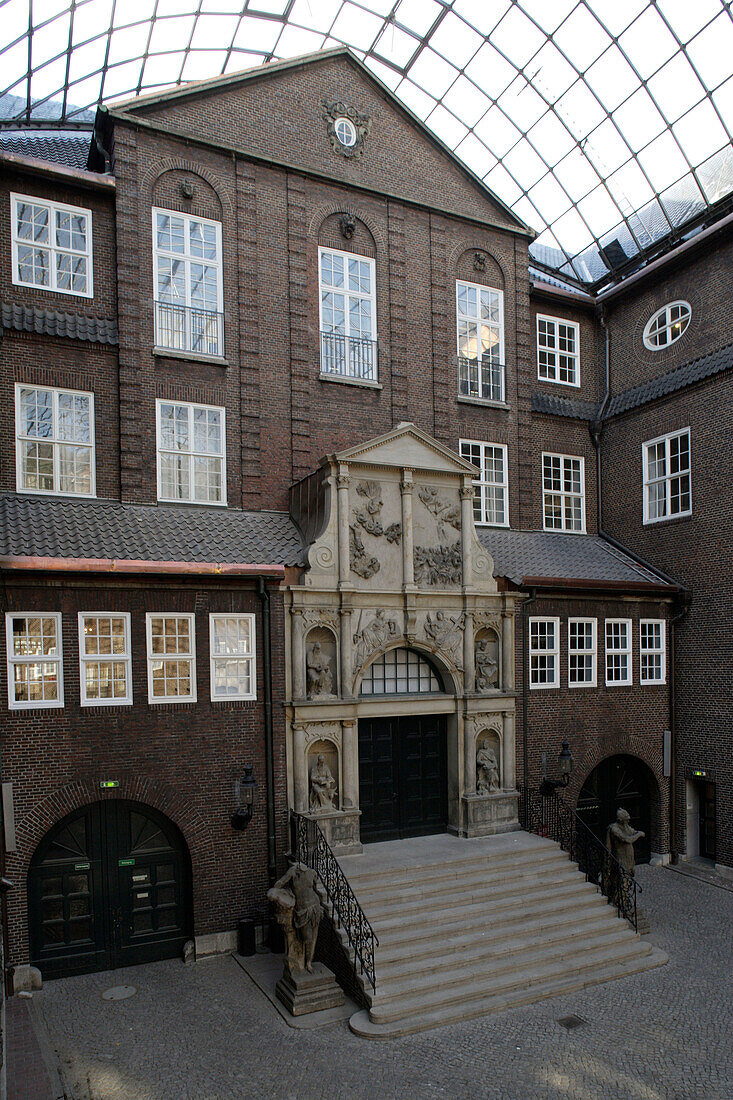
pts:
[345, 132]
[667, 325]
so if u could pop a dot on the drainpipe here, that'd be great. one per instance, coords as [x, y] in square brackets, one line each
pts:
[525, 683]
[264, 595]
[673, 620]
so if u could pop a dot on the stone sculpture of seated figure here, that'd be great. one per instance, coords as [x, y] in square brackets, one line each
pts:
[323, 785]
[487, 769]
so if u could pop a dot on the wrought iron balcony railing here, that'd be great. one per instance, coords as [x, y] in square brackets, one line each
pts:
[483, 378]
[349, 356]
[187, 328]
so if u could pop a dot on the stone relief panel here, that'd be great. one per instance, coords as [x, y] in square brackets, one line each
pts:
[323, 772]
[374, 528]
[438, 559]
[321, 663]
[488, 762]
[374, 632]
[444, 633]
[487, 655]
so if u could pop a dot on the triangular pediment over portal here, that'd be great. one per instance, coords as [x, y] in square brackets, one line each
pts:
[405, 447]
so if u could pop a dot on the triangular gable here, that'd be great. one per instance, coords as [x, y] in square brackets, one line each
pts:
[407, 446]
[274, 111]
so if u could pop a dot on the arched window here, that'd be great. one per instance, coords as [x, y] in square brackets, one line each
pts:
[401, 672]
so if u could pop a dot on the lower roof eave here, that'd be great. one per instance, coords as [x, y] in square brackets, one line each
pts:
[578, 583]
[140, 566]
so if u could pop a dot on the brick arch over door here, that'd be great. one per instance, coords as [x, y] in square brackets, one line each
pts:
[650, 763]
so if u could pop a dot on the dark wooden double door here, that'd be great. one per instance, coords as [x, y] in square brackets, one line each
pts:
[403, 789]
[109, 886]
[619, 782]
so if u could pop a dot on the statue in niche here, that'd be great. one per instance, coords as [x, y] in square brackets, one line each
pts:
[319, 677]
[444, 630]
[323, 786]
[363, 564]
[487, 667]
[375, 635]
[298, 909]
[487, 769]
[445, 511]
[620, 840]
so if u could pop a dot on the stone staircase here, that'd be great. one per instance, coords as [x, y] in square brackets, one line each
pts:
[470, 927]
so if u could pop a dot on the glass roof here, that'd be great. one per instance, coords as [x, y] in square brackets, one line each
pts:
[604, 124]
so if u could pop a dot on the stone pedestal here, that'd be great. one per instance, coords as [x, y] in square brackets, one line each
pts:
[302, 992]
[341, 830]
[486, 814]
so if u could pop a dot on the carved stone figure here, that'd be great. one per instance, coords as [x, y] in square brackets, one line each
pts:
[319, 677]
[375, 635]
[479, 261]
[487, 668]
[438, 564]
[323, 786]
[444, 510]
[362, 563]
[620, 840]
[487, 769]
[444, 630]
[347, 226]
[370, 515]
[298, 909]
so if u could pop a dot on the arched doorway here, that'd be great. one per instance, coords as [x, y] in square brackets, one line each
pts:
[619, 781]
[109, 886]
[403, 788]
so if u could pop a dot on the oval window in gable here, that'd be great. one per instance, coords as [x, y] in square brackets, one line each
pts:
[667, 325]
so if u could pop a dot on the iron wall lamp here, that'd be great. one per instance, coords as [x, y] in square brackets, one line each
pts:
[245, 794]
[565, 765]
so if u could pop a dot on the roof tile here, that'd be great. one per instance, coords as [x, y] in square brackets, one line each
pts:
[51, 322]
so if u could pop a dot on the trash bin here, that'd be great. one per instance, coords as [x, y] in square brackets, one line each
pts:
[246, 937]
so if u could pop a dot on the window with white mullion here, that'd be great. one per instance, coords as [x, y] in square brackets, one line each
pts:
[618, 651]
[480, 341]
[667, 325]
[563, 492]
[347, 314]
[558, 351]
[34, 655]
[544, 653]
[171, 649]
[582, 652]
[652, 651]
[191, 453]
[104, 659]
[232, 654]
[52, 246]
[54, 431]
[188, 283]
[666, 470]
[491, 500]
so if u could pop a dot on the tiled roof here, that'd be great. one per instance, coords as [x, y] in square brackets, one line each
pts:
[67, 147]
[51, 322]
[538, 276]
[69, 528]
[520, 554]
[696, 371]
[564, 406]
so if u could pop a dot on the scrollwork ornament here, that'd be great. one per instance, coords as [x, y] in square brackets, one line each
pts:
[336, 109]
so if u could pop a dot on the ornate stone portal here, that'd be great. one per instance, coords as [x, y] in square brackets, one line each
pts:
[394, 562]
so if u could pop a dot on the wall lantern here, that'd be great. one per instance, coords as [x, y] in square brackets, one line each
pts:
[565, 765]
[244, 790]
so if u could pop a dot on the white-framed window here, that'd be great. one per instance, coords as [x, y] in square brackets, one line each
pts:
[232, 655]
[667, 325]
[191, 452]
[544, 653]
[171, 647]
[348, 314]
[187, 274]
[652, 651]
[582, 650]
[54, 441]
[480, 336]
[105, 662]
[666, 473]
[345, 131]
[563, 492]
[491, 500]
[618, 651]
[35, 665]
[52, 245]
[558, 350]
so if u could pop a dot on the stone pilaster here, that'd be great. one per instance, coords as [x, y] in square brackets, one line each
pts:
[343, 525]
[300, 772]
[408, 563]
[298, 669]
[467, 495]
[469, 663]
[469, 757]
[350, 763]
[508, 776]
[346, 669]
[507, 650]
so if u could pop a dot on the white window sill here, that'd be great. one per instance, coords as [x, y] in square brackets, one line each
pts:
[487, 402]
[559, 382]
[344, 379]
[543, 687]
[619, 683]
[37, 706]
[668, 519]
[562, 531]
[56, 493]
[194, 503]
[491, 526]
[190, 356]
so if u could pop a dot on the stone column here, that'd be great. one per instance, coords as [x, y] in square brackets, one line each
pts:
[469, 757]
[343, 517]
[350, 751]
[507, 650]
[298, 650]
[467, 495]
[469, 663]
[347, 654]
[408, 562]
[300, 771]
[508, 777]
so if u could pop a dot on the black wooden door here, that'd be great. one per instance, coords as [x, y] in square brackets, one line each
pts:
[402, 776]
[706, 795]
[618, 782]
[108, 887]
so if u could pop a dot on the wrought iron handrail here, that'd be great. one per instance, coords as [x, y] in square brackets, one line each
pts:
[550, 816]
[188, 328]
[349, 356]
[481, 377]
[309, 846]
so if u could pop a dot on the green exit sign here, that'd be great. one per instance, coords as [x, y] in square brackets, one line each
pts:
[125, 862]
[700, 774]
[107, 784]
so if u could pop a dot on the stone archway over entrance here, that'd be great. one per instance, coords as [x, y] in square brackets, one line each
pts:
[620, 782]
[109, 886]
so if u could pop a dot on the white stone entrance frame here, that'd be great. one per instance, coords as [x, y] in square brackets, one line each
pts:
[394, 560]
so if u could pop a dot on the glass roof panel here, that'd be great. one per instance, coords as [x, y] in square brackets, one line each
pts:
[622, 107]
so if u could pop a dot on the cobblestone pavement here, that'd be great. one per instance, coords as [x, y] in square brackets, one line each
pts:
[206, 1033]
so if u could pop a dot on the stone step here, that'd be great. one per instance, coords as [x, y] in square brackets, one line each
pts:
[518, 958]
[430, 998]
[433, 885]
[434, 869]
[540, 990]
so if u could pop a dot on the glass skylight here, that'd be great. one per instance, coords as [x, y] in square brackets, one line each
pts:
[596, 121]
